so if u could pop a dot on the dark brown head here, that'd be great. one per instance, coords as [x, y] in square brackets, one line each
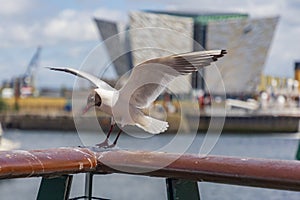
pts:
[93, 99]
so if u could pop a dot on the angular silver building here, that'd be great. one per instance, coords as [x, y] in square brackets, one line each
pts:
[247, 41]
[116, 44]
[153, 35]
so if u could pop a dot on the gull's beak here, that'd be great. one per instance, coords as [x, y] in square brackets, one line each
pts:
[87, 108]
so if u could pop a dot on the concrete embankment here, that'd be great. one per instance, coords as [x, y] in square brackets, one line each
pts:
[38, 122]
[239, 124]
[67, 122]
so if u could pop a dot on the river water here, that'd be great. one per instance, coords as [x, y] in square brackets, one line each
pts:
[139, 187]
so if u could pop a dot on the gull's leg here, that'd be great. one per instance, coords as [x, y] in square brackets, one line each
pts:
[115, 142]
[105, 142]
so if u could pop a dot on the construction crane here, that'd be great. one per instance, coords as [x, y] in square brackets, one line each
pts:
[27, 84]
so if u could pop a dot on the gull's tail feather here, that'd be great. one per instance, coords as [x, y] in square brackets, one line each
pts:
[152, 125]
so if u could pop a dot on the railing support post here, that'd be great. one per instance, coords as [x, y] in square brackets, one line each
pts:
[178, 189]
[298, 152]
[88, 192]
[55, 188]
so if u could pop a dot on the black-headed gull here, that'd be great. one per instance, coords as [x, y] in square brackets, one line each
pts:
[146, 82]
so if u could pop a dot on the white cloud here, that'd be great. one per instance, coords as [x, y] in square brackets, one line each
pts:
[112, 15]
[70, 25]
[15, 7]
[264, 8]
[18, 34]
[67, 26]
[67, 37]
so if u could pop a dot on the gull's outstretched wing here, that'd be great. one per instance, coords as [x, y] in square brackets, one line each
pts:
[93, 79]
[149, 79]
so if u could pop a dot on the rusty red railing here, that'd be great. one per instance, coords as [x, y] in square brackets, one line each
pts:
[266, 173]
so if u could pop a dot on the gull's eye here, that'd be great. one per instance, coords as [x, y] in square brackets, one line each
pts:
[91, 99]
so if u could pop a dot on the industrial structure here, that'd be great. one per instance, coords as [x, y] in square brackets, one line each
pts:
[23, 85]
[247, 41]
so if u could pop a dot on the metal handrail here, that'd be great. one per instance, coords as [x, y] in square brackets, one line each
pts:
[266, 173]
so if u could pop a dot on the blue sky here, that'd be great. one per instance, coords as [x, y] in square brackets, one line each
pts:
[67, 33]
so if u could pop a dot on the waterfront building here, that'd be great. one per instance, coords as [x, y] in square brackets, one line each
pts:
[247, 41]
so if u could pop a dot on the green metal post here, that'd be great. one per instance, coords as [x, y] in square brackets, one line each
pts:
[178, 189]
[298, 152]
[57, 188]
[88, 186]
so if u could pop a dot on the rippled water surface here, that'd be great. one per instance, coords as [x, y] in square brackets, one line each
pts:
[124, 187]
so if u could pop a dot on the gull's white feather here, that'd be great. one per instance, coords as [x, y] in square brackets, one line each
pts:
[145, 84]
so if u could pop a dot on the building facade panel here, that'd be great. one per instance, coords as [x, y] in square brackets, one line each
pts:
[115, 44]
[247, 42]
[156, 35]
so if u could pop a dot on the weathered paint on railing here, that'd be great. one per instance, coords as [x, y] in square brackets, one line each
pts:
[20, 163]
[278, 174]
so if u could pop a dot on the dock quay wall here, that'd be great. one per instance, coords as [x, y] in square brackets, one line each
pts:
[241, 124]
